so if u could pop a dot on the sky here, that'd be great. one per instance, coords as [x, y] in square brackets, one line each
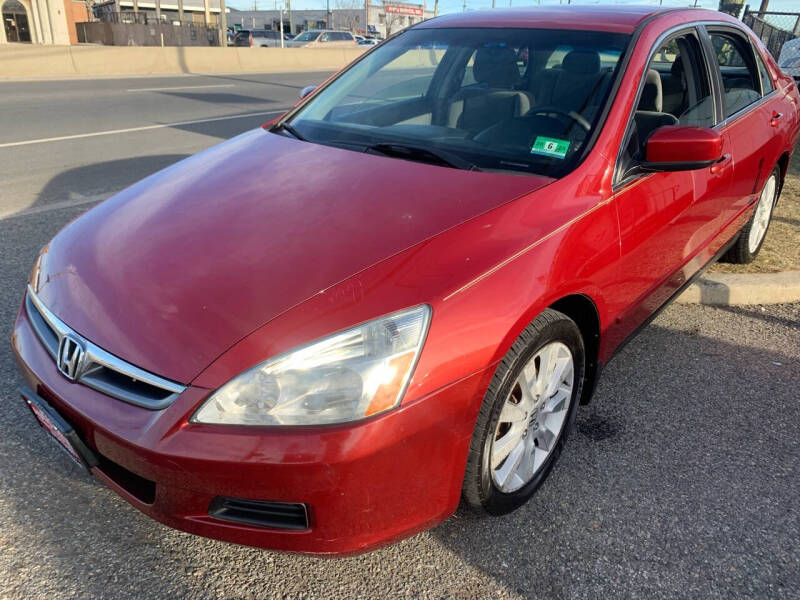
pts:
[450, 6]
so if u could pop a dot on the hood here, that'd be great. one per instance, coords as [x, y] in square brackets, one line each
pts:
[171, 272]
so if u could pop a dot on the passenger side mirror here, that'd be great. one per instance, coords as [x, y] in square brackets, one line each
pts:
[682, 148]
[306, 91]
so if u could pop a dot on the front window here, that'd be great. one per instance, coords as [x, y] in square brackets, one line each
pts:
[507, 100]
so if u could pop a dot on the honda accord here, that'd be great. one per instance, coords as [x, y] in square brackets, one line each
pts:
[478, 213]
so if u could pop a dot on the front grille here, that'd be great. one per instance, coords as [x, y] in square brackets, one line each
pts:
[276, 515]
[97, 368]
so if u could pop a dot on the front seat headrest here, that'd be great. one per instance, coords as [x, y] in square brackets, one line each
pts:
[652, 95]
[581, 62]
[496, 66]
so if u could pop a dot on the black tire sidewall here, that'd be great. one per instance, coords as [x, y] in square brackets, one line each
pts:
[563, 330]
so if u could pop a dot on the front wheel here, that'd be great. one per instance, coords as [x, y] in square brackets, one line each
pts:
[526, 414]
[752, 236]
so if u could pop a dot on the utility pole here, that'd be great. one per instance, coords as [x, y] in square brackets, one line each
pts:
[158, 11]
[764, 6]
[493, 3]
[464, 6]
[328, 19]
[291, 21]
[435, 8]
[207, 10]
[180, 11]
[223, 24]
[281, 17]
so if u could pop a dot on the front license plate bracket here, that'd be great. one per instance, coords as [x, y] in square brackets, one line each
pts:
[59, 429]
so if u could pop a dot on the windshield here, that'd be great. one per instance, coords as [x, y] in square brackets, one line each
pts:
[521, 100]
[307, 36]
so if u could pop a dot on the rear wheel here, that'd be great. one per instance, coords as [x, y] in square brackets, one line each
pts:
[526, 414]
[752, 236]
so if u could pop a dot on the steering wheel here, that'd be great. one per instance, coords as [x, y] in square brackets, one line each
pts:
[569, 114]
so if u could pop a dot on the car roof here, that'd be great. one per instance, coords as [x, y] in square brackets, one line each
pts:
[614, 18]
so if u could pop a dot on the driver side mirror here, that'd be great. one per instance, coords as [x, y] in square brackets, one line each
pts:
[682, 148]
[306, 91]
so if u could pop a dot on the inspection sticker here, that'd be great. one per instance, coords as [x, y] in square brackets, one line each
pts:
[550, 147]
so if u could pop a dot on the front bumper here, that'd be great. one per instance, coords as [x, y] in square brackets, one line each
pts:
[364, 485]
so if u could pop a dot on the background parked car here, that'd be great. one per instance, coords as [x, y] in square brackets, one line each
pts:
[323, 39]
[789, 60]
[258, 38]
[368, 42]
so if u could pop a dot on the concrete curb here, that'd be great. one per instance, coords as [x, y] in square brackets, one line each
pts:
[723, 289]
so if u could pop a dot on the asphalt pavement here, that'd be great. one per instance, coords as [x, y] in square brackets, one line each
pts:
[680, 480]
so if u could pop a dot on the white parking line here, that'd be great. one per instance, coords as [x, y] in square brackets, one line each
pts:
[144, 128]
[182, 87]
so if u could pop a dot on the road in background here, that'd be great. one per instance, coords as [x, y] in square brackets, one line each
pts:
[158, 120]
[681, 479]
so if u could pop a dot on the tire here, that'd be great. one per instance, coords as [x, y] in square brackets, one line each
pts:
[752, 236]
[490, 484]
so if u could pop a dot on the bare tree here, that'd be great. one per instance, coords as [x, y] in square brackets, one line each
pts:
[392, 18]
[348, 14]
[732, 7]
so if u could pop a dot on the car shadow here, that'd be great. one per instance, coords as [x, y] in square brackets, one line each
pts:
[218, 98]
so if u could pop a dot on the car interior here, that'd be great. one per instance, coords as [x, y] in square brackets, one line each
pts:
[501, 94]
[523, 100]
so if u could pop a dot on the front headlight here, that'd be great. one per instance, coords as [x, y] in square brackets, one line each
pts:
[344, 377]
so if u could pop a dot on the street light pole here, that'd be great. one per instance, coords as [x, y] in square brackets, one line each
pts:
[223, 24]
[328, 16]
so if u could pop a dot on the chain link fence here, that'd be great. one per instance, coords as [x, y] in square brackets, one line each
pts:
[780, 32]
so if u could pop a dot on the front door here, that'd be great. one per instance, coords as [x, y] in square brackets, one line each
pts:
[663, 216]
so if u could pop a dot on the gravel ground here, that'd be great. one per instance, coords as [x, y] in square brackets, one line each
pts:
[681, 481]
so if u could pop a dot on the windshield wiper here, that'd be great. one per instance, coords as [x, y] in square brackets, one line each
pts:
[420, 154]
[290, 130]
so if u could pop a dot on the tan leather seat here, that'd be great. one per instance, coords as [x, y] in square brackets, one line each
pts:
[474, 109]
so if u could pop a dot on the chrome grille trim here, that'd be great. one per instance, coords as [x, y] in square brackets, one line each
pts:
[101, 370]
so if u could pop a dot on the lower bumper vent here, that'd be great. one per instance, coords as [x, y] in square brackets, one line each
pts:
[276, 515]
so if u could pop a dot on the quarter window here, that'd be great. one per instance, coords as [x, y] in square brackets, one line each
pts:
[740, 79]
[766, 79]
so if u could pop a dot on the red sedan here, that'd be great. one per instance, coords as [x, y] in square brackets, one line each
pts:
[322, 334]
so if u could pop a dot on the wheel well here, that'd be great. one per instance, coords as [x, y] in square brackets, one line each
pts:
[582, 310]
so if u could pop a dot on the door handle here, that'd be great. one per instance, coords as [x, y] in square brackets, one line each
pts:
[718, 166]
[775, 117]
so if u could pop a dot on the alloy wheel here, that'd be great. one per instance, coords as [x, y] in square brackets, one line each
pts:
[532, 417]
[763, 213]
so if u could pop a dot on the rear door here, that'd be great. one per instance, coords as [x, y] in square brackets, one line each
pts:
[747, 111]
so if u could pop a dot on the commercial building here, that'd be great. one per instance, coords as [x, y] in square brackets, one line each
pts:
[170, 11]
[381, 19]
[41, 21]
